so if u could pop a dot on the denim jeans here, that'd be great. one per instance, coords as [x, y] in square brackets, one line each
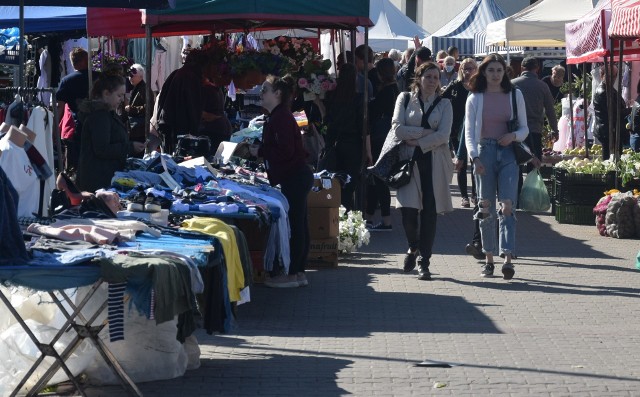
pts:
[500, 179]
[634, 142]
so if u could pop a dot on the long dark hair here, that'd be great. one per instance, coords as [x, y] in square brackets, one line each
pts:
[478, 81]
[346, 84]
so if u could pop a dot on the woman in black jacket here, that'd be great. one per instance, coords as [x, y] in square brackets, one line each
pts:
[381, 113]
[105, 141]
[344, 130]
[457, 92]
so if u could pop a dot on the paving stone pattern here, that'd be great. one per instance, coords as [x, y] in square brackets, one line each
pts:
[566, 325]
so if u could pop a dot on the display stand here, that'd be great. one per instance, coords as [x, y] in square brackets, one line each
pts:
[84, 328]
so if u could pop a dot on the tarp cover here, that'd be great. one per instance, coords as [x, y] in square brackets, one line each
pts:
[541, 24]
[45, 19]
[198, 16]
[251, 13]
[94, 3]
[482, 50]
[459, 32]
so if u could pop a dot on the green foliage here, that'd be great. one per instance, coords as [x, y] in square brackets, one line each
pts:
[577, 87]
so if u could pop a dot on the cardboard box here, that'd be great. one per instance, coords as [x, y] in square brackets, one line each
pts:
[324, 194]
[322, 259]
[323, 223]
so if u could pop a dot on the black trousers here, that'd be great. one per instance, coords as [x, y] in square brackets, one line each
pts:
[296, 189]
[378, 193]
[420, 225]
[349, 160]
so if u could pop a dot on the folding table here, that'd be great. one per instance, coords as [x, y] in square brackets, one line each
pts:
[54, 280]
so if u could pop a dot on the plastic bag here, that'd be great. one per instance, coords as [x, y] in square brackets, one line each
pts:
[534, 196]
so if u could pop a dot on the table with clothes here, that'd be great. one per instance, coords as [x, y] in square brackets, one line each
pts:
[157, 270]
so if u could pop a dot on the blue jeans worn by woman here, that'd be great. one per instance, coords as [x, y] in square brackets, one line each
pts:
[500, 179]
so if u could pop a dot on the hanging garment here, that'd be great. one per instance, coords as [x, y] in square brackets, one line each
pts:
[158, 69]
[41, 123]
[16, 165]
[45, 77]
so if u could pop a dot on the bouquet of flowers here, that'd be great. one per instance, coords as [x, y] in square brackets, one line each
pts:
[353, 232]
[264, 62]
[314, 78]
[296, 51]
[105, 58]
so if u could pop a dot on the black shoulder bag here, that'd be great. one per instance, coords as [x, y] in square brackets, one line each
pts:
[401, 171]
[520, 149]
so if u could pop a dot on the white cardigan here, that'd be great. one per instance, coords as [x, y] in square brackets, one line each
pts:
[473, 120]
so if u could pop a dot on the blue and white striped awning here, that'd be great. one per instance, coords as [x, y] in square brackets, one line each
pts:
[460, 31]
[481, 50]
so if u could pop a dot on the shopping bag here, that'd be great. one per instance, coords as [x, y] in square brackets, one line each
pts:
[534, 196]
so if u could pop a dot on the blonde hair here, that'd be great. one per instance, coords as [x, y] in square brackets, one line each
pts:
[461, 69]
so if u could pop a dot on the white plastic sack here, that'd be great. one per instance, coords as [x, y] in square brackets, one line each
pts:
[19, 353]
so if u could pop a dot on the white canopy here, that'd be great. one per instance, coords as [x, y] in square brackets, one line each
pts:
[541, 24]
[392, 28]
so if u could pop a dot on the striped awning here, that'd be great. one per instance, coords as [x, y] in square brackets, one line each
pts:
[625, 20]
[460, 31]
[481, 50]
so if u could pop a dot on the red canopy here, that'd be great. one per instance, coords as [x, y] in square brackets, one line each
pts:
[127, 24]
[587, 39]
[625, 20]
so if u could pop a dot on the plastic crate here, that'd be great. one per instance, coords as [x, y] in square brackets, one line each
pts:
[575, 214]
[581, 189]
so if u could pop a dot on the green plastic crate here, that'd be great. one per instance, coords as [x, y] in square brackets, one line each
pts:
[574, 214]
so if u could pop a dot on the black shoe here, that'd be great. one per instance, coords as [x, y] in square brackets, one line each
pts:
[475, 251]
[410, 261]
[423, 272]
[487, 270]
[508, 271]
[136, 203]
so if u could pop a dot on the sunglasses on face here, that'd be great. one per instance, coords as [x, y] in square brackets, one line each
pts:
[133, 72]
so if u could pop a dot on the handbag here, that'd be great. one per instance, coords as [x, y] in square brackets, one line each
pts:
[401, 171]
[522, 152]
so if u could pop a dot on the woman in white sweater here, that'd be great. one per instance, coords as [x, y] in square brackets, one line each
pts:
[491, 127]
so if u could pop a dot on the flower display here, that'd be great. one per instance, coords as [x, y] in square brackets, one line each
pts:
[296, 51]
[353, 232]
[264, 62]
[106, 58]
[314, 78]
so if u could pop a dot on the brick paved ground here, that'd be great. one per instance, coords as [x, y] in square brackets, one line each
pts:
[567, 325]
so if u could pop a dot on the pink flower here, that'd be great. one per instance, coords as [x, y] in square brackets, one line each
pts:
[322, 77]
[303, 83]
[326, 85]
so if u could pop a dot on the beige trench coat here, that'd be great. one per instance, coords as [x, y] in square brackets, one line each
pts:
[406, 125]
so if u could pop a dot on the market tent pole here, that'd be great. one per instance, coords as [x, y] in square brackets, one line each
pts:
[147, 78]
[609, 83]
[585, 107]
[365, 116]
[21, 47]
[573, 137]
[619, 125]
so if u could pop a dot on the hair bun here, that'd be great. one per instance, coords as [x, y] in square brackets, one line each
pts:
[112, 69]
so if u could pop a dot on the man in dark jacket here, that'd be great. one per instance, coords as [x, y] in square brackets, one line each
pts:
[538, 102]
[180, 101]
[405, 74]
[601, 112]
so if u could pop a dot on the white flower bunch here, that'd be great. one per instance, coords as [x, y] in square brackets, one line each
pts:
[353, 232]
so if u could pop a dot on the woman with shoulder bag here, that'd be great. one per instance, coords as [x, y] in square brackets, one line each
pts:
[491, 128]
[423, 124]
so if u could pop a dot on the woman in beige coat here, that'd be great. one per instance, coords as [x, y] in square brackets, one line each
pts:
[423, 122]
